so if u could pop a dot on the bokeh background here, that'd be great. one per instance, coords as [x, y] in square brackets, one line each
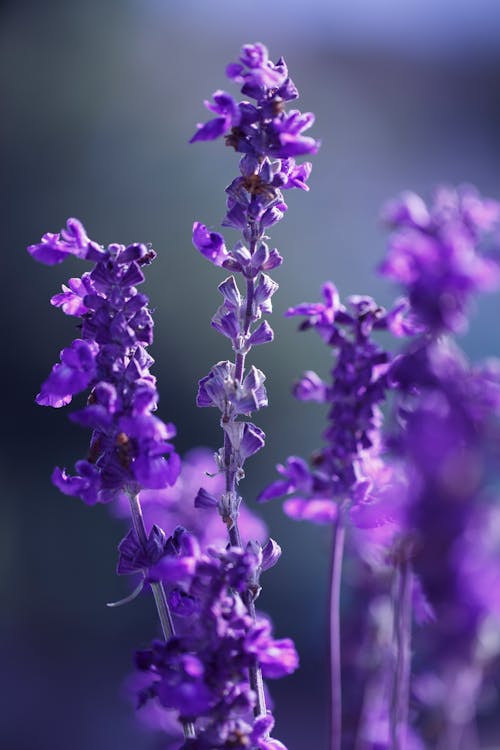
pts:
[98, 100]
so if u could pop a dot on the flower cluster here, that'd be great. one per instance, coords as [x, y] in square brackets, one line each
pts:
[447, 438]
[269, 138]
[343, 473]
[202, 672]
[129, 444]
[263, 129]
[434, 253]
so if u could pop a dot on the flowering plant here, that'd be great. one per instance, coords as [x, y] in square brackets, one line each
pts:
[405, 476]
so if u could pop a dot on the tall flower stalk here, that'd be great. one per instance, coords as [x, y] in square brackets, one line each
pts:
[437, 254]
[343, 479]
[269, 138]
[129, 448]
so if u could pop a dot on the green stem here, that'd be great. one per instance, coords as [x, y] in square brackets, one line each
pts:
[159, 594]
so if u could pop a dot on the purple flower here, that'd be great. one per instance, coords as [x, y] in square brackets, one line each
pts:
[220, 389]
[343, 472]
[129, 444]
[73, 240]
[72, 375]
[435, 254]
[210, 244]
[134, 557]
[260, 74]
[71, 299]
[229, 116]
[476, 559]
[268, 138]
[202, 672]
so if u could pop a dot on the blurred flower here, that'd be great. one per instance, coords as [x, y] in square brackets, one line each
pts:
[435, 253]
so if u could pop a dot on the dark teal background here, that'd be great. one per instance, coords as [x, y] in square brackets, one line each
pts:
[98, 101]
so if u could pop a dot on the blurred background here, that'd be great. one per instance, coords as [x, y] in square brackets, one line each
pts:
[99, 99]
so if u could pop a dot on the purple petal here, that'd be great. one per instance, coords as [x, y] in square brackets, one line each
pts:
[205, 500]
[210, 244]
[262, 335]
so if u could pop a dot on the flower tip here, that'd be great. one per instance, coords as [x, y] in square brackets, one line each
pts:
[210, 244]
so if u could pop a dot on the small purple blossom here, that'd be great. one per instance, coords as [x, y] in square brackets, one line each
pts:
[210, 244]
[72, 375]
[229, 117]
[73, 240]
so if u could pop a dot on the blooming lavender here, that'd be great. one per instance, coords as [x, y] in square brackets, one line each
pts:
[202, 672]
[414, 495]
[439, 253]
[129, 448]
[347, 474]
[443, 257]
[269, 138]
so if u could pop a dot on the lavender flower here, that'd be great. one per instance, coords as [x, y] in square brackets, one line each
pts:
[347, 475]
[344, 473]
[447, 416]
[202, 672]
[128, 445]
[265, 129]
[449, 430]
[435, 253]
[269, 138]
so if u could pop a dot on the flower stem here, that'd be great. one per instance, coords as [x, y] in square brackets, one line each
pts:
[255, 672]
[159, 594]
[402, 630]
[335, 671]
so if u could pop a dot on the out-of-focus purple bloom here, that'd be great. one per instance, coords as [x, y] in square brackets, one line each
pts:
[436, 255]
[477, 558]
[129, 444]
[449, 438]
[310, 387]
